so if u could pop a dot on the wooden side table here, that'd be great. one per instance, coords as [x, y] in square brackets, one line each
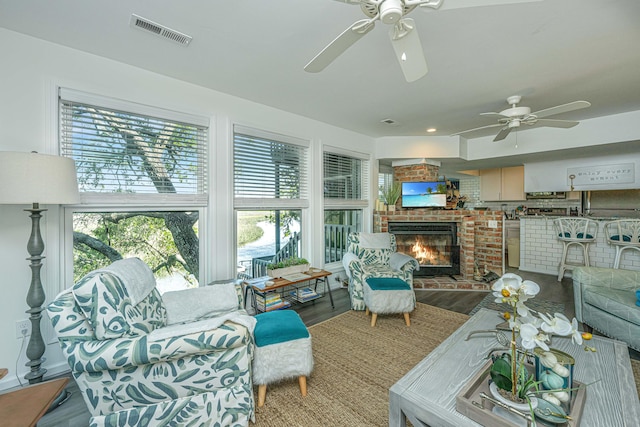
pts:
[26, 405]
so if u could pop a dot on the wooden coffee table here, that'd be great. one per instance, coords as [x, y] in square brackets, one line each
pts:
[25, 406]
[426, 395]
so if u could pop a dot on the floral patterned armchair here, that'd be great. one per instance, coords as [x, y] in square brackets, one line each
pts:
[141, 359]
[374, 255]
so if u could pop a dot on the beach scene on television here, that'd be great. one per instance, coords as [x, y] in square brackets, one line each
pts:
[424, 194]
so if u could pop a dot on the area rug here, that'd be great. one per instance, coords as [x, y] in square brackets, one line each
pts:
[355, 366]
[534, 304]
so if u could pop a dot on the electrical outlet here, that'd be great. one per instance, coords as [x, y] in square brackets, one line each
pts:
[23, 325]
[493, 224]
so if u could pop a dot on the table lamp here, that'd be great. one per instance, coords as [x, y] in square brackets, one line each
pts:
[32, 178]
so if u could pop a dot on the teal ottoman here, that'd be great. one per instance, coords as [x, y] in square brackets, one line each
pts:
[283, 350]
[386, 295]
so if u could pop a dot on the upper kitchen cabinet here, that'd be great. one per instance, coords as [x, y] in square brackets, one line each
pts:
[502, 184]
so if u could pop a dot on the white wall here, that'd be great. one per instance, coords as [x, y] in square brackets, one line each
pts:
[31, 70]
[612, 130]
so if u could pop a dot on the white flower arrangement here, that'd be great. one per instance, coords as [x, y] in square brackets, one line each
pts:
[534, 329]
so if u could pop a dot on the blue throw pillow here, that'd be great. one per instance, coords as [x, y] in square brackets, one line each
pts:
[638, 296]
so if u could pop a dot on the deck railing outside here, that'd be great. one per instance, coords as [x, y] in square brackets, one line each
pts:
[335, 245]
[335, 241]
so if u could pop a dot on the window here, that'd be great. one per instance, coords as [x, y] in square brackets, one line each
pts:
[264, 235]
[270, 195]
[385, 178]
[337, 226]
[346, 193]
[142, 173]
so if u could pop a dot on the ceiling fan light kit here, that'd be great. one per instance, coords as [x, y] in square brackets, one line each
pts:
[391, 11]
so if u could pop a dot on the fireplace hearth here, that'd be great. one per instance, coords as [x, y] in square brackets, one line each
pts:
[433, 244]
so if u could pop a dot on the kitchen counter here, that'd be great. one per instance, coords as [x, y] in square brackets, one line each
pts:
[541, 251]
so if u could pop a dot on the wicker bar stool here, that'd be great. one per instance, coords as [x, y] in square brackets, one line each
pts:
[623, 234]
[575, 231]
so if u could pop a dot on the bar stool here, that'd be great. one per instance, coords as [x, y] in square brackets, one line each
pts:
[623, 234]
[575, 231]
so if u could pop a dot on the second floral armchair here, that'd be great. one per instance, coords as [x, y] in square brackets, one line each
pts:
[374, 255]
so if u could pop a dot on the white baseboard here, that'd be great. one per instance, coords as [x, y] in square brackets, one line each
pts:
[10, 381]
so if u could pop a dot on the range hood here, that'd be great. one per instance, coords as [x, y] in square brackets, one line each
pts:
[547, 195]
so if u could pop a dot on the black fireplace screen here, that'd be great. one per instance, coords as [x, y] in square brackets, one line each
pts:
[433, 244]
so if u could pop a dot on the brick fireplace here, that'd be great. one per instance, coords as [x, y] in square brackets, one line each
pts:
[476, 242]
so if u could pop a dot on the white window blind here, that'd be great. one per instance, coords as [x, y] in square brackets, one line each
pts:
[121, 153]
[269, 166]
[345, 177]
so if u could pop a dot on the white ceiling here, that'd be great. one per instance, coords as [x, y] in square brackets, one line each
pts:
[551, 52]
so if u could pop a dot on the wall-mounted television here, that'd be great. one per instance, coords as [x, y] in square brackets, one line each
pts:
[424, 194]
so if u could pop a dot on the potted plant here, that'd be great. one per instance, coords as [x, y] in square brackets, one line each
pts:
[287, 266]
[391, 194]
[530, 333]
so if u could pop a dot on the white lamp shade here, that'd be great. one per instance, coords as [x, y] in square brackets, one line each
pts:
[27, 178]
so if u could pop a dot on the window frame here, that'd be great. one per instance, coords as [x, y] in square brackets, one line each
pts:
[109, 202]
[248, 203]
[141, 199]
[271, 203]
[339, 204]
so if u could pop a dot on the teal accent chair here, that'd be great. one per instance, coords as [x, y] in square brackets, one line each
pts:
[142, 359]
[374, 255]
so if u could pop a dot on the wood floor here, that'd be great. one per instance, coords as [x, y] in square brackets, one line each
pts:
[74, 413]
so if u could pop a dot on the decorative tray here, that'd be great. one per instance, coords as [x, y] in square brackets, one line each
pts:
[481, 410]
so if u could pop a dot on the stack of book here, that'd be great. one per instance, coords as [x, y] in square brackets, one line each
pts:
[270, 301]
[304, 294]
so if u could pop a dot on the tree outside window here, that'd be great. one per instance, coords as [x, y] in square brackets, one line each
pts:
[128, 160]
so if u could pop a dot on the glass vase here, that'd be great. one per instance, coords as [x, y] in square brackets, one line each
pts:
[558, 379]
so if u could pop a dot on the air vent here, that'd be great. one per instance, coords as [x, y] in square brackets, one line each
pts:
[159, 30]
[389, 122]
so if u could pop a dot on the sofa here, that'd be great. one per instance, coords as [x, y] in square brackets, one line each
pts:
[374, 255]
[144, 359]
[606, 300]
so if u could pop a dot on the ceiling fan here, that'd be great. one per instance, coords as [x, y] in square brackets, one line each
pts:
[404, 37]
[514, 117]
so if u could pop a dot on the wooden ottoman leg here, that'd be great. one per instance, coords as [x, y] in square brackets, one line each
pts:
[366, 311]
[302, 380]
[262, 394]
[374, 317]
[407, 320]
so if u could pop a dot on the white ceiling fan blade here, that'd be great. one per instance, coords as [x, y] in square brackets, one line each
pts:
[408, 49]
[475, 129]
[341, 43]
[565, 124]
[564, 108]
[459, 4]
[502, 134]
[491, 113]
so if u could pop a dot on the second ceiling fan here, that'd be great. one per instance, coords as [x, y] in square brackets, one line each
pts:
[515, 116]
[404, 37]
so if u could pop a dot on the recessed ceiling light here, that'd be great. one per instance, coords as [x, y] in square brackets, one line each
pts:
[431, 130]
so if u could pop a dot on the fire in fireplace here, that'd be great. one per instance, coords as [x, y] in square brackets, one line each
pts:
[433, 244]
